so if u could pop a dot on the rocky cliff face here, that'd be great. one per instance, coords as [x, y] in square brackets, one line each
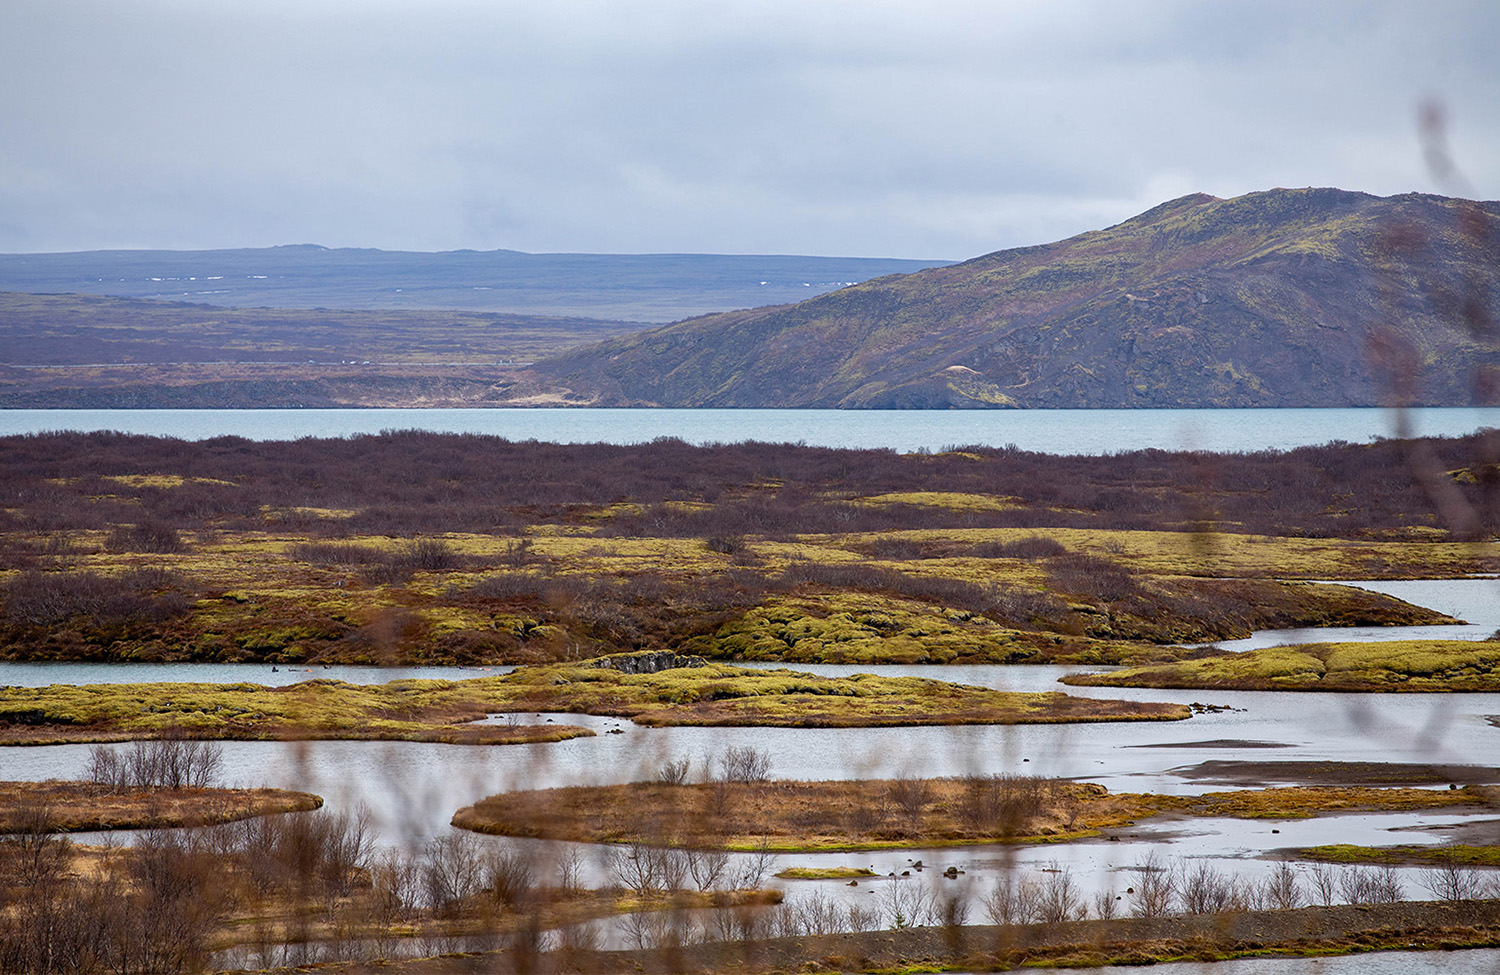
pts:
[1313, 297]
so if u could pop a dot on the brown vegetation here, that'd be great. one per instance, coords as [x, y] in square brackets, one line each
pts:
[74, 807]
[1128, 941]
[282, 890]
[787, 815]
[412, 547]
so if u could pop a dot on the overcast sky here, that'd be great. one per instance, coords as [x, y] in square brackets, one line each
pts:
[900, 129]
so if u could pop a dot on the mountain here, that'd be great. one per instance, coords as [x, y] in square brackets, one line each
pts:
[632, 287]
[1288, 297]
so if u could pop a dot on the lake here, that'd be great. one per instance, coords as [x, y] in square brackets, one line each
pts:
[1049, 431]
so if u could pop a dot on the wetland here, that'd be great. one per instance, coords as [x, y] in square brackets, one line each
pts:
[886, 631]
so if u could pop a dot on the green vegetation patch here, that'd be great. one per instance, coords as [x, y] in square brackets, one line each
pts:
[825, 873]
[1398, 665]
[1405, 855]
[952, 500]
[719, 694]
[406, 710]
[440, 710]
[859, 628]
[1303, 802]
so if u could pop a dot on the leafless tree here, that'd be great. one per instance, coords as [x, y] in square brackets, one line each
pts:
[1013, 900]
[1155, 888]
[1283, 891]
[1106, 904]
[637, 868]
[908, 903]
[910, 796]
[744, 763]
[1059, 898]
[1205, 890]
[707, 867]
[452, 871]
[674, 772]
[1325, 884]
[1451, 881]
[510, 876]
[753, 868]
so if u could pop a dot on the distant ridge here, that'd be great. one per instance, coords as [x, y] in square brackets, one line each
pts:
[621, 287]
[1287, 297]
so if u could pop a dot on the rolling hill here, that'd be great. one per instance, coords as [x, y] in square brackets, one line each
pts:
[1302, 297]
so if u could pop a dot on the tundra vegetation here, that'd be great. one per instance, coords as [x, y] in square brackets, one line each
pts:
[412, 548]
[444, 711]
[604, 573]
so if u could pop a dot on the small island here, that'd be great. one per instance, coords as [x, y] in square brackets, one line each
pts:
[57, 806]
[791, 816]
[649, 688]
[1409, 666]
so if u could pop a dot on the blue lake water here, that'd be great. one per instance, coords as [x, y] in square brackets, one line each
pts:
[1051, 431]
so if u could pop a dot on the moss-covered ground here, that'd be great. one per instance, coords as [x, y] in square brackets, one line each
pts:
[425, 549]
[408, 710]
[811, 816]
[283, 597]
[442, 710]
[1458, 853]
[1394, 666]
[825, 873]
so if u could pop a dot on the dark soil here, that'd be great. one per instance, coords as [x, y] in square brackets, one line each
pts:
[1250, 774]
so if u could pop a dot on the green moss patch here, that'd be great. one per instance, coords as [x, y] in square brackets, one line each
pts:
[1477, 856]
[440, 710]
[1400, 665]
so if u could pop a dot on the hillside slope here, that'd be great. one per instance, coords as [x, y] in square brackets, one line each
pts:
[1310, 297]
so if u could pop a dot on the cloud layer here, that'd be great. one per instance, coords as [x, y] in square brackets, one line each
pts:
[944, 129]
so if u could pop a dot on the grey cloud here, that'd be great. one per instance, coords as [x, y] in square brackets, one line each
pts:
[945, 129]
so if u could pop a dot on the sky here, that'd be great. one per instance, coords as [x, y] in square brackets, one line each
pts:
[939, 129]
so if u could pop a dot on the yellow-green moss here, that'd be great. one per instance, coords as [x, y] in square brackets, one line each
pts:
[1397, 665]
[439, 710]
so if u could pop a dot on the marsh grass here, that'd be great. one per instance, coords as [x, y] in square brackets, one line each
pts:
[839, 815]
[74, 807]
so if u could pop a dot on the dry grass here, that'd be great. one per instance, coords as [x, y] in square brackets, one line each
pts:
[810, 816]
[57, 806]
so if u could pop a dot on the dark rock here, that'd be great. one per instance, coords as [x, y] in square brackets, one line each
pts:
[647, 662]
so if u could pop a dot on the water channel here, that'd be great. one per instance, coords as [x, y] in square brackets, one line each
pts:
[412, 789]
[1049, 431]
